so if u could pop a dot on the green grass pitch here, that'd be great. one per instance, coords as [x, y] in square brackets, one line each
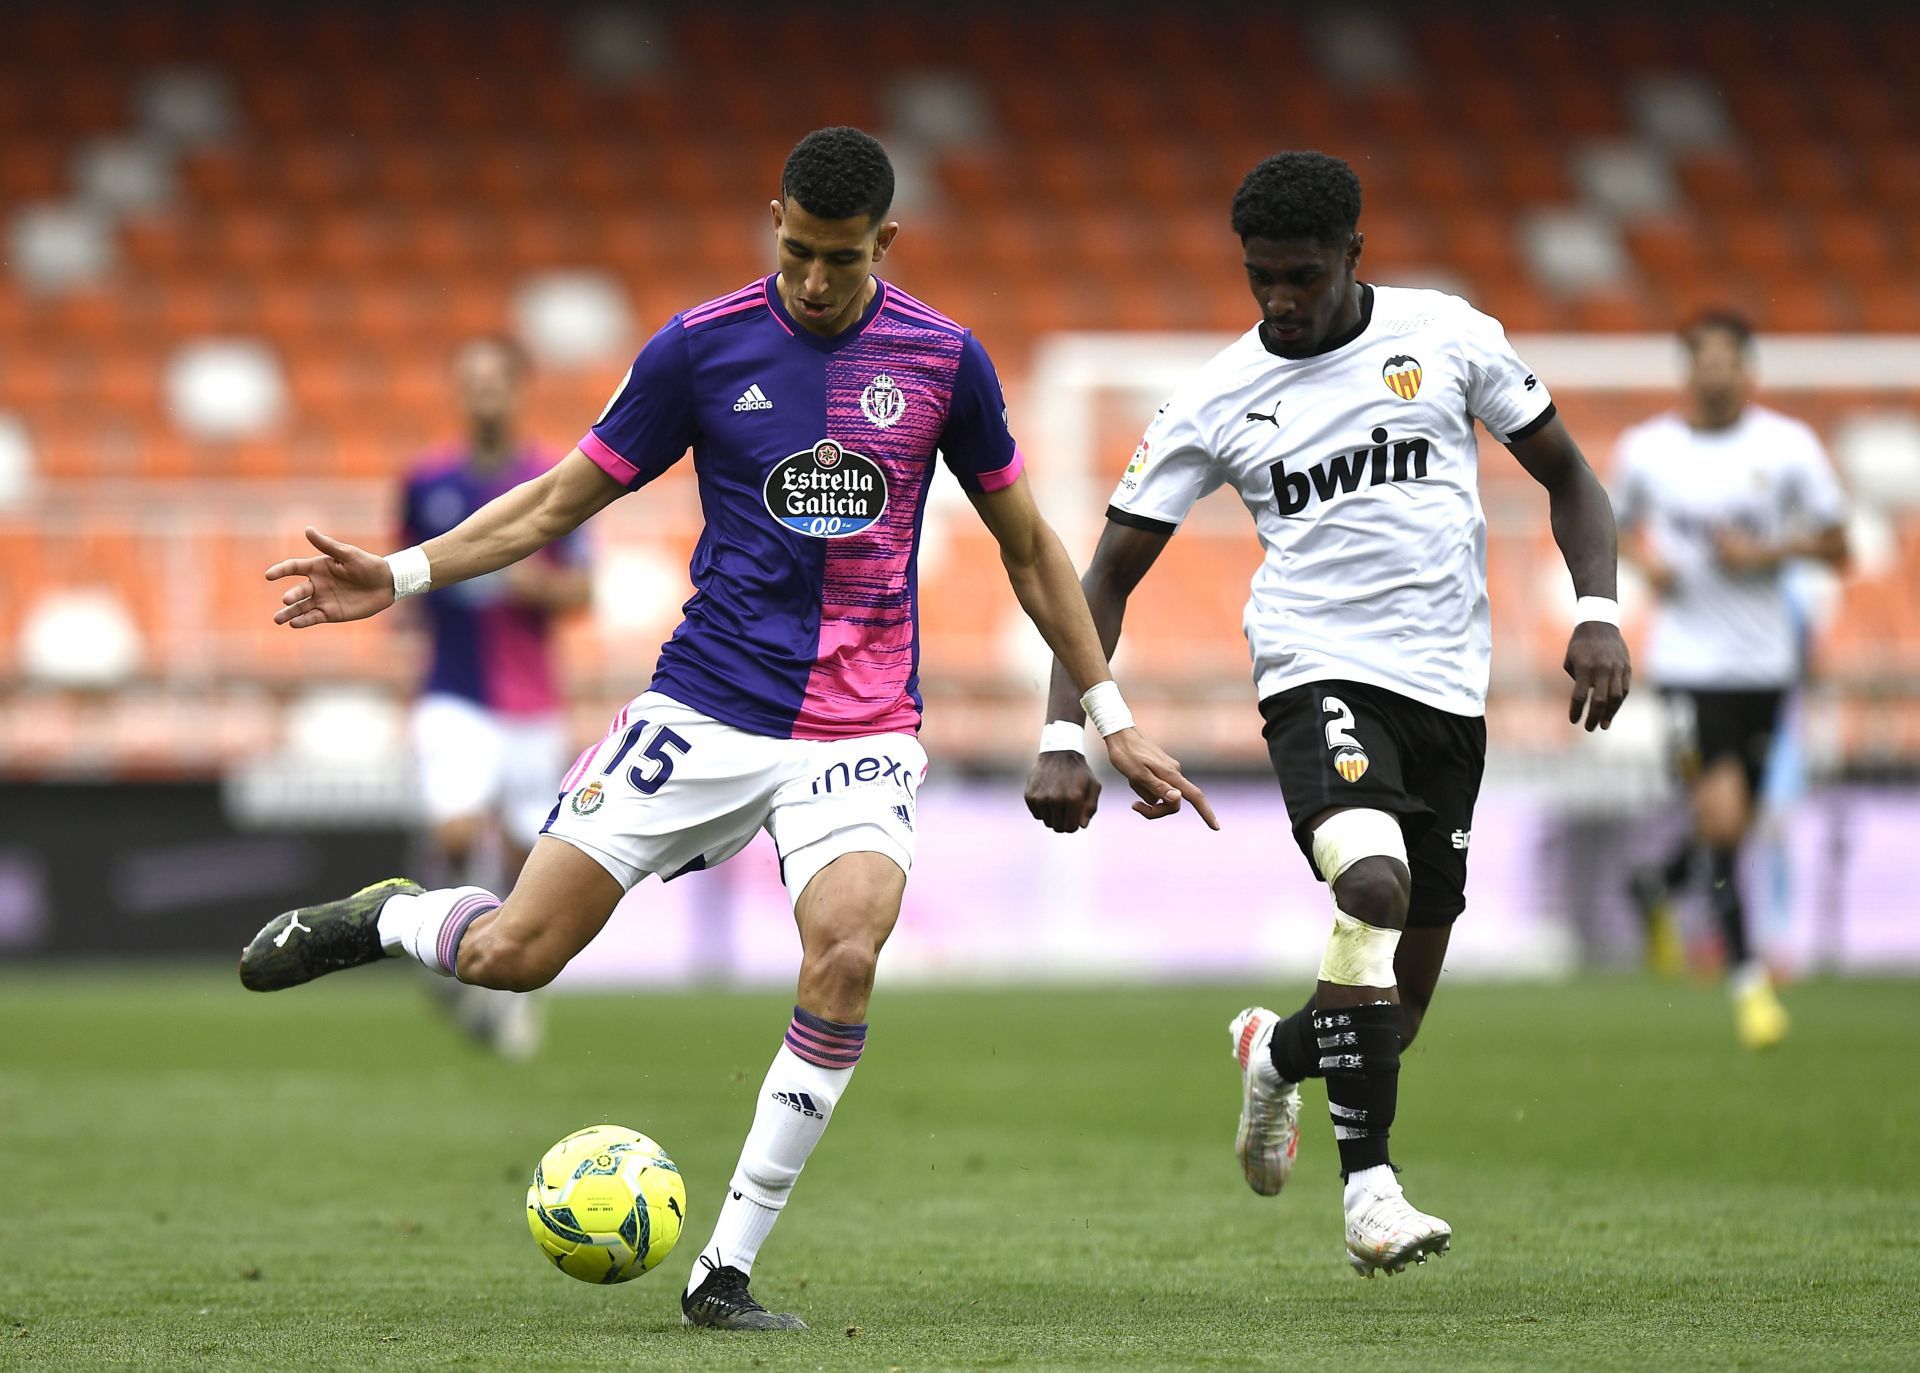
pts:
[199, 1178]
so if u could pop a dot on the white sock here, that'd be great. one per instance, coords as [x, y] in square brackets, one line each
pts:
[1745, 977]
[429, 927]
[737, 1236]
[796, 1102]
[1379, 1178]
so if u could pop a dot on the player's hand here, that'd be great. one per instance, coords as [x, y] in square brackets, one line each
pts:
[1742, 553]
[1154, 777]
[344, 583]
[1597, 662]
[1062, 792]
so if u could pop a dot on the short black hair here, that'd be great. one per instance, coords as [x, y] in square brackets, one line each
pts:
[1307, 195]
[838, 173]
[1729, 322]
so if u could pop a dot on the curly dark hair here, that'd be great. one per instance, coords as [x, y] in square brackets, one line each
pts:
[1729, 322]
[1306, 195]
[838, 173]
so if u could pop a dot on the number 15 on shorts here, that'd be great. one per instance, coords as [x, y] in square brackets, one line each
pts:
[656, 760]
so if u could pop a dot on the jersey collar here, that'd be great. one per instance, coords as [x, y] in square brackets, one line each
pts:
[829, 344]
[1332, 345]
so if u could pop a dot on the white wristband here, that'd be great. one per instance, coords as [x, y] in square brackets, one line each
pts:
[1107, 712]
[1597, 610]
[411, 574]
[1063, 736]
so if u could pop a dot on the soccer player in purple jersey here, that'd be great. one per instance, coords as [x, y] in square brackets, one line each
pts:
[487, 734]
[814, 401]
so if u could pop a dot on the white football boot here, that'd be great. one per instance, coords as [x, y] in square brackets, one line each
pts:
[1384, 1232]
[1269, 1134]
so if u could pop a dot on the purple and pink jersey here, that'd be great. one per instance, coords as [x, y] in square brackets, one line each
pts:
[487, 647]
[814, 457]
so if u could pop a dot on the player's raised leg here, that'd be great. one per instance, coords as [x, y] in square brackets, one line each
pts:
[1277, 1053]
[845, 914]
[1357, 1023]
[560, 903]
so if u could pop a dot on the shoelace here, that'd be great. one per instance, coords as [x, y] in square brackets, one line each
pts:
[729, 1291]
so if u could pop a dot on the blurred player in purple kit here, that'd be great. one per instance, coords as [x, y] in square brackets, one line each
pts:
[815, 401]
[488, 738]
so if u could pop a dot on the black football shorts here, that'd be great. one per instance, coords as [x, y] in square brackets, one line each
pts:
[1711, 725]
[1347, 744]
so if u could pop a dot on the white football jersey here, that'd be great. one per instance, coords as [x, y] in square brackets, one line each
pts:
[1360, 470]
[1765, 475]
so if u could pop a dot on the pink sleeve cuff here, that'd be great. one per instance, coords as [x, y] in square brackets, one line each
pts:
[607, 460]
[1006, 476]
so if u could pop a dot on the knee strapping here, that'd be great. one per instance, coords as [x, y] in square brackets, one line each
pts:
[1344, 839]
[1358, 954]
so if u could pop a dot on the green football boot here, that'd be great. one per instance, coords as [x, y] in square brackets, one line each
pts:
[316, 940]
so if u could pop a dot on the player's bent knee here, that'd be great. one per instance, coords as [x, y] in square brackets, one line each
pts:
[843, 964]
[1376, 890]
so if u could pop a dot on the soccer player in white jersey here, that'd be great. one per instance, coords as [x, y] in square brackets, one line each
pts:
[1344, 422]
[1717, 498]
[816, 400]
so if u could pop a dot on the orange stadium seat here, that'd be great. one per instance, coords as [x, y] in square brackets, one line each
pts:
[1865, 108]
[33, 169]
[1816, 173]
[1763, 243]
[1893, 175]
[1721, 180]
[1891, 303]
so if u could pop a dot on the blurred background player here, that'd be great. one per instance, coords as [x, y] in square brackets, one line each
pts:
[1718, 498]
[1344, 422]
[488, 737]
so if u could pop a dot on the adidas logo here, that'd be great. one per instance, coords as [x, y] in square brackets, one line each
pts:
[800, 1102]
[753, 398]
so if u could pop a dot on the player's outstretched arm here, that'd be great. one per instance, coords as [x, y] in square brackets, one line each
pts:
[1062, 792]
[348, 583]
[1583, 527]
[1042, 577]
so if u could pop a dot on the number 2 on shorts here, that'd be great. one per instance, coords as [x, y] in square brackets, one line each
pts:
[656, 751]
[1342, 721]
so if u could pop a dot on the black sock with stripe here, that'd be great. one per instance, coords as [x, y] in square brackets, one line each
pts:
[1295, 1056]
[1359, 1050]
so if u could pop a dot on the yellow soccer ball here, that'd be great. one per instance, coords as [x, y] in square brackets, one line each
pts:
[606, 1204]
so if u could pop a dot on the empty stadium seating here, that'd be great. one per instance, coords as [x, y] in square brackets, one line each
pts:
[393, 174]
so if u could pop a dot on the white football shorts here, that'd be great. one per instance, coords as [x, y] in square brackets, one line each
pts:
[671, 791]
[473, 761]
